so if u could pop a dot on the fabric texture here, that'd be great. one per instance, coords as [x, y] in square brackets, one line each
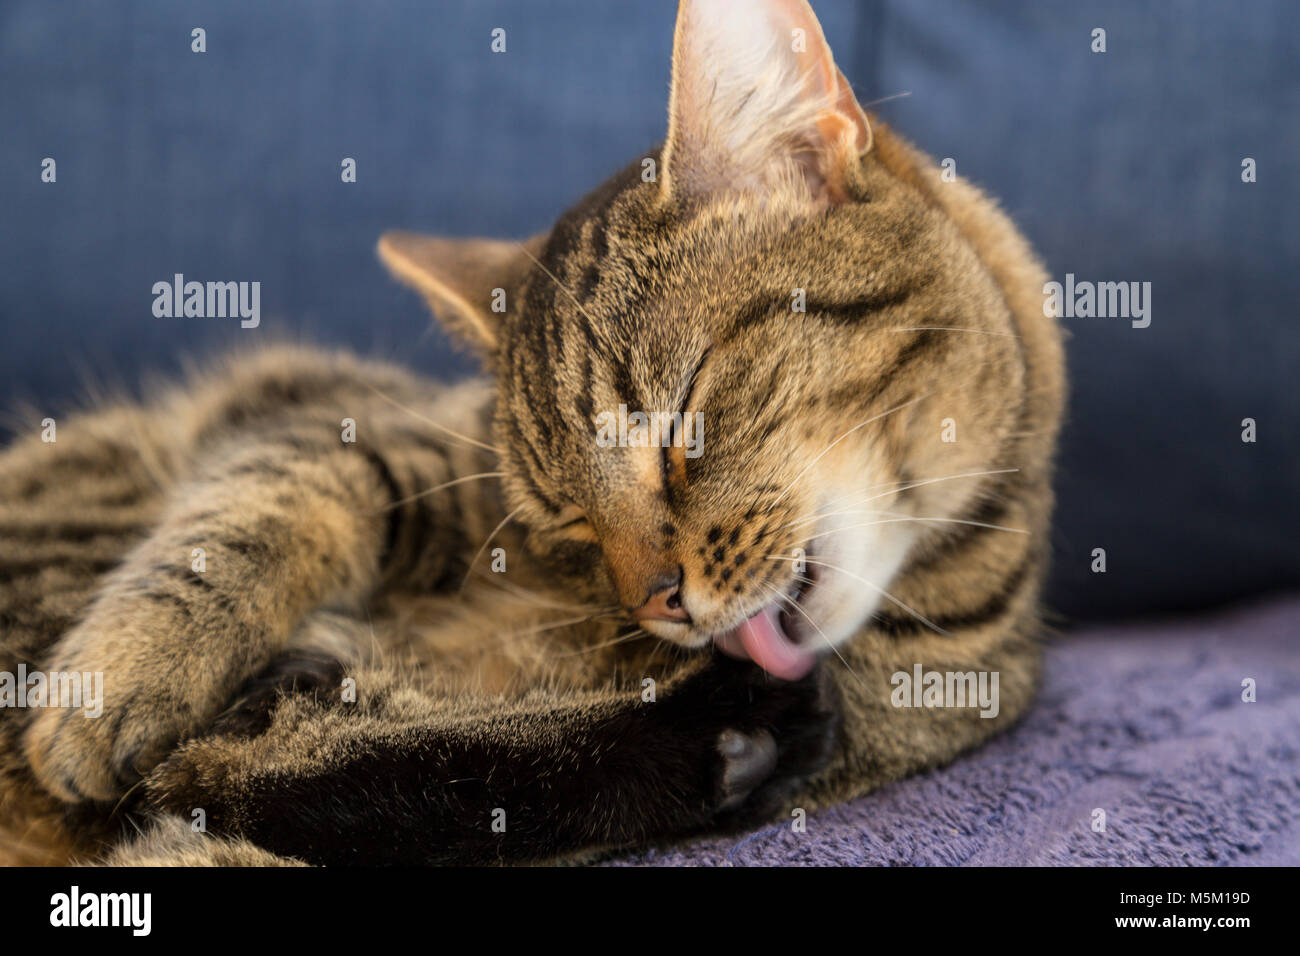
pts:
[1145, 722]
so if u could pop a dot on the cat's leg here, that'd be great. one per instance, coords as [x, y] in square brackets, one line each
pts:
[70, 507]
[896, 725]
[169, 840]
[409, 777]
[273, 528]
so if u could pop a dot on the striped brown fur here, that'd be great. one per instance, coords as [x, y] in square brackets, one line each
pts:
[822, 433]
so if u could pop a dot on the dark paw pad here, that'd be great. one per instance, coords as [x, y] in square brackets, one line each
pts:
[799, 725]
[748, 760]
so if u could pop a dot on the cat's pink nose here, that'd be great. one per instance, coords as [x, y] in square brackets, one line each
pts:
[665, 604]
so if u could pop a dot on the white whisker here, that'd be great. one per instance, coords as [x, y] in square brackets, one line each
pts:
[536, 598]
[483, 548]
[446, 484]
[551, 626]
[840, 500]
[908, 486]
[874, 418]
[886, 99]
[430, 421]
[941, 328]
[879, 590]
[795, 604]
[931, 481]
[620, 639]
[978, 524]
[560, 285]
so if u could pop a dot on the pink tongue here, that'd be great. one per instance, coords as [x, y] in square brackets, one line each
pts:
[761, 640]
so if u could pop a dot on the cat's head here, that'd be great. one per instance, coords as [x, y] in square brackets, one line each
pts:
[755, 289]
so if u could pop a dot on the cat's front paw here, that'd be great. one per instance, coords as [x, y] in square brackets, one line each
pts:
[774, 735]
[78, 756]
[140, 696]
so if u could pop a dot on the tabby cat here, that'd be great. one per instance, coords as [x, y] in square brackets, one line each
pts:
[353, 616]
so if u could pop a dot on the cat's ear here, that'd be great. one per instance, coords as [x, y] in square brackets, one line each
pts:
[469, 283]
[755, 95]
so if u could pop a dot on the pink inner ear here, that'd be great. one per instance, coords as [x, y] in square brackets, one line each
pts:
[853, 115]
[842, 127]
[746, 101]
[846, 118]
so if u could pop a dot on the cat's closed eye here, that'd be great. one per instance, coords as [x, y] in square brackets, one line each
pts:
[674, 459]
[573, 524]
[683, 433]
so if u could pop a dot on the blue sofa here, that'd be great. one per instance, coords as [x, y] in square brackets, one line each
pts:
[1122, 165]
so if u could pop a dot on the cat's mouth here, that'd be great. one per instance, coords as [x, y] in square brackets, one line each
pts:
[774, 637]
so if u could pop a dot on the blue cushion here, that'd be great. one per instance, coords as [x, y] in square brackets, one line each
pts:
[1120, 166]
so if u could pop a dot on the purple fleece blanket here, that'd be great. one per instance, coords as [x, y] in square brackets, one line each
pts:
[1144, 721]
